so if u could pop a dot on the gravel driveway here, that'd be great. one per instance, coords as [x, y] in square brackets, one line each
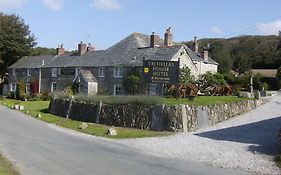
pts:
[248, 142]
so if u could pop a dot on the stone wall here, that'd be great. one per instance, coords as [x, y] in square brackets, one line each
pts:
[175, 118]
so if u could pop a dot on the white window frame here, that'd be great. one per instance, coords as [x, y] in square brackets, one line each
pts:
[152, 89]
[59, 71]
[101, 71]
[118, 72]
[115, 89]
[55, 72]
[52, 86]
[27, 88]
[14, 72]
[28, 72]
[13, 87]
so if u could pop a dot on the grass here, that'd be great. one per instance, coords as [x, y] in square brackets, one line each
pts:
[202, 100]
[40, 107]
[6, 167]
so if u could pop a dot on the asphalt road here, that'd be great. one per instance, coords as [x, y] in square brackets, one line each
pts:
[38, 148]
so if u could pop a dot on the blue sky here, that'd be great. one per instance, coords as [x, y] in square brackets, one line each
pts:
[105, 22]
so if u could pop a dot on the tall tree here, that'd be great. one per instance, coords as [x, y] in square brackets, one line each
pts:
[16, 40]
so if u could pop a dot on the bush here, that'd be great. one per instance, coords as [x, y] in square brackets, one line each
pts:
[20, 91]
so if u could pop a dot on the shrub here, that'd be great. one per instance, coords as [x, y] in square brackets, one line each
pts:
[20, 91]
[138, 100]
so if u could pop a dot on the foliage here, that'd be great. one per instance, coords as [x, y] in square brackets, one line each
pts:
[278, 77]
[69, 91]
[132, 82]
[185, 76]
[43, 51]
[244, 52]
[20, 91]
[16, 40]
[139, 100]
[209, 79]
[202, 100]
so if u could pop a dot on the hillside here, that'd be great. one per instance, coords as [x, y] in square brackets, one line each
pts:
[244, 52]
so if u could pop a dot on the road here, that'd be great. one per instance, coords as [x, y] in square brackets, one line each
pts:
[38, 148]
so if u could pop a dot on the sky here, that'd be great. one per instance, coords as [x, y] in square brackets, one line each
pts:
[105, 22]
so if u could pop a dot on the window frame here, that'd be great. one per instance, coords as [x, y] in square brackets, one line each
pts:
[26, 89]
[118, 72]
[13, 85]
[102, 72]
[28, 72]
[115, 90]
[152, 86]
[52, 86]
[54, 72]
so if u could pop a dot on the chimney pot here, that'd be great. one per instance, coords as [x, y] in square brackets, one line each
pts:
[82, 48]
[195, 45]
[154, 40]
[205, 54]
[168, 37]
[60, 50]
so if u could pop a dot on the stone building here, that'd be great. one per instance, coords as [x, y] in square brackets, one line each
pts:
[91, 71]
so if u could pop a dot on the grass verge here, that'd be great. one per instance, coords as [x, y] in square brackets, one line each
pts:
[6, 167]
[278, 160]
[40, 107]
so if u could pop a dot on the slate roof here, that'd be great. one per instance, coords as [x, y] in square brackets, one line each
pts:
[128, 52]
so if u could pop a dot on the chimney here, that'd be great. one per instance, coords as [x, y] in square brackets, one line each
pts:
[195, 45]
[82, 48]
[168, 38]
[60, 50]
[205, 54]
[154, 40]
[90, 48]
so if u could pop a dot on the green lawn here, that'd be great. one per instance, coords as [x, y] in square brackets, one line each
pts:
[6, 168]
[40, 107]
[202, 100]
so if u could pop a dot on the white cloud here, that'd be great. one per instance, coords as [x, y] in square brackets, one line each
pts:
[216, 30]
[270, 28]
[54, 4]
[106, 4]
[11, 3]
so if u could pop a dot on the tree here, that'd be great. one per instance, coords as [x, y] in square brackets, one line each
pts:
[16, 40]
[185, 76]
[278, 77]
[132, 82]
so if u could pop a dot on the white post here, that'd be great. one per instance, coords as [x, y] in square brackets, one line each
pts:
[251, 84]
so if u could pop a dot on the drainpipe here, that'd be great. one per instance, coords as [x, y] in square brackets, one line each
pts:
[40, 77]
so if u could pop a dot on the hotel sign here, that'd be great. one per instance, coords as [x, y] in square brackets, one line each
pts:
[162, 72]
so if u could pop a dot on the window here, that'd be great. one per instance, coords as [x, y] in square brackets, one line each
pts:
[13, 72]
[28, 71]
[54, 72]
[13, 87]
[27, 88]
[117, 89]
[53, 86]
[101, 71]
[152, 89]
[118, 72]
[59, 71]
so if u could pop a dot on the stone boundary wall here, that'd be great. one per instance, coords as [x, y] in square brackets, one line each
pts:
[175, 118]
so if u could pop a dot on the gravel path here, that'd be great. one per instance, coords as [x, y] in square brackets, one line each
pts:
[246, 142]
